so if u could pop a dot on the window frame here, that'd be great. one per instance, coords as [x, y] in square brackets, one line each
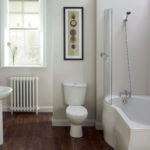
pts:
[4, 35]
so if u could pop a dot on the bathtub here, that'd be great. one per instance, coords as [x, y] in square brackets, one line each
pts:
[127, 125]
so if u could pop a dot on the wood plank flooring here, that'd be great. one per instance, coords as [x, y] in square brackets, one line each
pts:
[24, 131]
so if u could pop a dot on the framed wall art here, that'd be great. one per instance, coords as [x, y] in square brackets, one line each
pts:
[73, 33]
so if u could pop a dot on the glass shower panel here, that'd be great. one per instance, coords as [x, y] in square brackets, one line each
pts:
[108, 55]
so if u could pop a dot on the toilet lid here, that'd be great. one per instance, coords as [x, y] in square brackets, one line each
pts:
[76, 110]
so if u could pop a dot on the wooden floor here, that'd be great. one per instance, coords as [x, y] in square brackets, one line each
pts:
[31, 132]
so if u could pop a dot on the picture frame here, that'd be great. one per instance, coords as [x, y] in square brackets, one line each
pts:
[73, 33]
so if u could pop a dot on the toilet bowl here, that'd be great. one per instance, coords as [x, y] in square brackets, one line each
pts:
[75, 111]
[77, 115]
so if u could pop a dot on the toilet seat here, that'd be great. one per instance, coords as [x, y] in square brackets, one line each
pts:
[76, 111]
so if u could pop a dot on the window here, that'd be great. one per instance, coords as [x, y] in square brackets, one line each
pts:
[23, 34]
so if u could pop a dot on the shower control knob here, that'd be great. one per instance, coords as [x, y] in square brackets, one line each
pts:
[103, 54]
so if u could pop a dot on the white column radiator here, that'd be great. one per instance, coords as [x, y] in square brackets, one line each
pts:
[24, 97]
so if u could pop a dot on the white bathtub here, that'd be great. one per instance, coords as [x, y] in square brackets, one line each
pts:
[127, 126]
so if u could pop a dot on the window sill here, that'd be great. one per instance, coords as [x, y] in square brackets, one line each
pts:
[25, 66]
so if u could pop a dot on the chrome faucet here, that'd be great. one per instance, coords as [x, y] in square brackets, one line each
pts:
[125, 95]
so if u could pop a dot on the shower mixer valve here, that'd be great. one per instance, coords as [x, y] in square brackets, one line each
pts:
[103, 54]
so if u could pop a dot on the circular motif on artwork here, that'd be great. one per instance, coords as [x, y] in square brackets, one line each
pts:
[73, 32]
[73, 46]
[73, 39]
[73, 16]
[73, 23]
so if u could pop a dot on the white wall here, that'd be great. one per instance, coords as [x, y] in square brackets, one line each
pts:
[58, 70]
[138, 47]
[68, 71]
[138, 33]
[45, 74]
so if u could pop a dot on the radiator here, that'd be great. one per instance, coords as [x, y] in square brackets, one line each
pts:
[24, 97]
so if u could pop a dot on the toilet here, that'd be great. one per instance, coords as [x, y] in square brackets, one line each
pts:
[74, 94]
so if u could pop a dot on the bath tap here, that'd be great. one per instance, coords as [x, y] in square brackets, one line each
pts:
[125, 93]
[125, 96]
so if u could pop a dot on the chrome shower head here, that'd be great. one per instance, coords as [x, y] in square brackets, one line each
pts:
[127, 14]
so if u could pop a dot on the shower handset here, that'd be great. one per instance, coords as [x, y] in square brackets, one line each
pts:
[127, 14]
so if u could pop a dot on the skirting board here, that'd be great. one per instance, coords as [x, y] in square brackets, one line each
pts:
[45, 108]
[41, 109]
[65, 122]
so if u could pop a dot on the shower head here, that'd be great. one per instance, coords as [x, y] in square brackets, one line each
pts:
[127, 14]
